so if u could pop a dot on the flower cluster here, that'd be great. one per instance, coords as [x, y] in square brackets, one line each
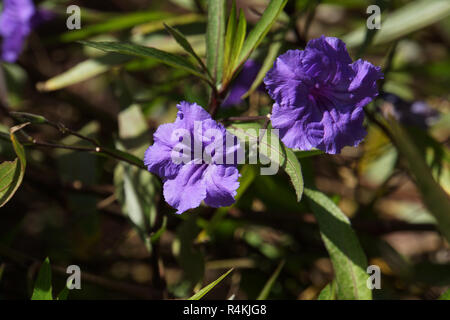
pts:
[319, 97]
[189, 176]
[17, 20]
[320, 94]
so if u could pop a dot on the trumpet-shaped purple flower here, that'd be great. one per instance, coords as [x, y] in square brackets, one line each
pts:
[17, 20]
[320, 94]
[196, 158]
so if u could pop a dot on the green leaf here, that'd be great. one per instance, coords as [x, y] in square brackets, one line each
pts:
[136, 189]
[271, 147]
[445, 295]
[65, 291]
[347, 256]
[329, 292]
[29, 117]
[182, 41]
[12, 172]
[215, 38]
[229, 37]
[43, 285]
[136, 50]
[269, 284]
[173, 21]
[237, 43]
[434, 197]
[409, 18]
[208, 288]
[121, 22]
[83, 71]
[263, 26]
[272, 54]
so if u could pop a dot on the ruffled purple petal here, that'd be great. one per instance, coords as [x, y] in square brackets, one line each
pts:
[188, 114]
[221, 185]
[290, 121]
[158, 157]
[188, 189]
[342, 128]
[364, 84]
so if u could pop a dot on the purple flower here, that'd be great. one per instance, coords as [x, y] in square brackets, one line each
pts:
[17, 20]
[242, 83]
[320, 94]
[196, 158]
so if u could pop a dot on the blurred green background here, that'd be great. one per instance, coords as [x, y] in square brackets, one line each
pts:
[74, 207]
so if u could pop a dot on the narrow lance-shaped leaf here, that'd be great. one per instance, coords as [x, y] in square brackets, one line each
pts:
[178, 20]
[263, 26]
[210, 286]
[184, 43]
[272, 54]
[237, 43]
[121, 22]
[43, 285]
[215, 38]
[83, 71]
[136, 50]
[269, 284]
[409, 18]
[229, 37]
[347, 256]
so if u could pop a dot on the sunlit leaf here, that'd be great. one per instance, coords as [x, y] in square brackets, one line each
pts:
[229, 37]
[347, 256]
[263, 26]
[209, 287]
[215, 38]
[136, 189]
[236, 46]
[136, 50]
[184, 43]
[413, 16]
[43, 285]
[83, 71]
[121, 22]
[329, 292]
[272, 54]
[172, 21]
